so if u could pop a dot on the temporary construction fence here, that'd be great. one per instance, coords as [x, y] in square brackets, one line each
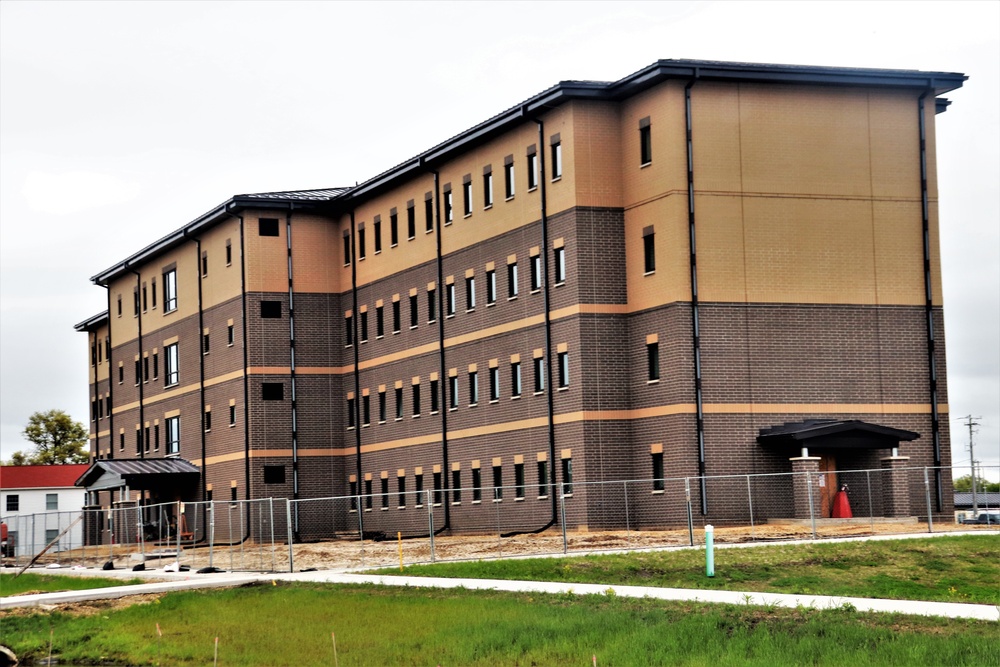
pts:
[399, 527]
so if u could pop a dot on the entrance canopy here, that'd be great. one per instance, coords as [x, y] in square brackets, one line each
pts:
[138, 474]
[836, 434]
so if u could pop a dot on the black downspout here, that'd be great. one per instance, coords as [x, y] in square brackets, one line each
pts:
[291, 353]
[246, 366]
[111, 383]
[695, 323]
[357, 354]
[94, 407]
[140, 377]
[201, 378]
[928, 304]
[443, 370]
[548, 322]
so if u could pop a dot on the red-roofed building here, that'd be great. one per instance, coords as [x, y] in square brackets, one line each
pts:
[38, 502]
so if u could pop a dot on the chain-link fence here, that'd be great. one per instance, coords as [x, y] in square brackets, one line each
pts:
[400, 527]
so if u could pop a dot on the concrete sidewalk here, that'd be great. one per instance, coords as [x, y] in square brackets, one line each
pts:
[224, 580]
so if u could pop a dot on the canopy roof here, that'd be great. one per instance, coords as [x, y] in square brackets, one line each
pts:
[833, 434]
[137, 473]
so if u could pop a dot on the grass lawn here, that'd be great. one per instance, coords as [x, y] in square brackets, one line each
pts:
[291, 624]
[944, 569]
[51, 583]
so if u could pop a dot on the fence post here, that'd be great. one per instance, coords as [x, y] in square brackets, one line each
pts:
[628, 536]
[809, 492]
[871, 503]
[430, 520]
[927, 489]
[177, 528]
[687, 494]
[288, 522]
[562, 518]
[750, 505]
[361, 526]
[141, 532]
[274, 555]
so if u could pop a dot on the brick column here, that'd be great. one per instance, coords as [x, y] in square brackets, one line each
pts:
[800, 485]
[895, 486]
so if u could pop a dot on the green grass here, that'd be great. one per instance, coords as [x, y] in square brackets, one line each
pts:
[943, 569]
[291, 625]
[46, 583]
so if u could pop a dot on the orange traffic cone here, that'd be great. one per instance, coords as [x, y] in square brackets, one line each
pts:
[841, 504]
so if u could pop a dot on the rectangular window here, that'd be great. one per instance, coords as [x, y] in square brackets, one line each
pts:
[658, 482]
[512, 280]
[121, 374]
[431, 305]
[170, 291]
[267, 227]
[556, 158]
[229, 259]
[456, 487]
[401, 490]
[361, 242]
[473, 388]
[416, 400]
[349, 330]
[645, 142]
[119, 305]
[519, 481]
[121, 440]
[450, 298]
[135, 302]
[232, 415]
[467, 196]
[562, 359]
[477, 485]
[51, 535]
[368, 494]
[377, 224]
[145, 300]
[395, 316]
[379, 322]
[347, 248]
[272, 391]
[138, 372]
[270, 310]
[399, 402]
[51, 502]
[448, 210]
[364, 326]
[508, 177]
[350, 413]
[539, 374]
[470, 293]
[532, 170]
[156, 437]
[494, 384]
[418, 486]
[429, 213]
[536, 273]
[434, 396]
[354, 493]
[491, 287]
[138, 441]
[381, 407]
[559, 265]
[208, 420]
[648, 250]
[204, 269]
[515, 378]
[385, 493]
[414, 315]
[411, 221]
[497, 483]
[173, 435]
[206, 346]
[453, 392]
[653, 360]
[567, 477]
[152, 290]
[488, 189]
[393, 228]
[171, 365]
[145, 369]
[437, 488]
[366, 410]
[543, 478]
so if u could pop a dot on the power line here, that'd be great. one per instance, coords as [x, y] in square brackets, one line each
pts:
[971, 424]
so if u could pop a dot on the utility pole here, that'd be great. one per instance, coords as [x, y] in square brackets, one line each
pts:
[971, 423]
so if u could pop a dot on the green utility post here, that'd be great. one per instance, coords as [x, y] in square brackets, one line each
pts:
[710, 550]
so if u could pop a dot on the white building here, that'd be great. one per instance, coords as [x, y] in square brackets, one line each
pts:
[38, 502]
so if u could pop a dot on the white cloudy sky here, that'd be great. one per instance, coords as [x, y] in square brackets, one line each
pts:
[119, 122]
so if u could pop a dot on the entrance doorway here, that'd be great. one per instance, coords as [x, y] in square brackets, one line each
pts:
[827, 485]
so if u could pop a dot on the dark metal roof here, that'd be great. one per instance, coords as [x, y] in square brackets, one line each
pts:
[92, 322]
[321, 194]
[115, 473]
[834, 433]
[989, 499]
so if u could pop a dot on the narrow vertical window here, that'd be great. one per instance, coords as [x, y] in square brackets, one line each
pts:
[467, 195]
[349, 330]
[448, 205]
[559, 265]
[366, 410]
[473, 388]
[411, 221]
[379, 321]
[399, 402]
[557, 167]
[135, 301]
[347, 248]
[361, 241]
[350, 412]
[354, 494]
[385, 493]
[543, 479]
[395, 316]
[532, 168]
[456, 487]
[393, 228]
[428, 213]
[204, 266]
[508, 177]
[152, 284]
[144, 297]
[536, 273]
[434, 396]
[477, 485]
[653, 361]
[658, 481]
[539, 364]
[512, 280]
[567, 476]
[229, 257]
[645, 142]
[206, 345]
[368, 494]
[401, 490]
[453, 392]
[431, 305]
[494, 383]
[562, 359]
[232, 415]
[377, 224]
[230, 335]
[414, 315]
[491, 287]
[208, 419]
[381, 406]
[418, 484]
[171, 365]
[450, 298]
[519, 481]
[416, 400]
[364, 326]
[515, 378]
[437, 487]
[173, 435]
[119, 305]
[470, 293]
[648, 250]
[497, 483]
[156, 437]
[487, 187]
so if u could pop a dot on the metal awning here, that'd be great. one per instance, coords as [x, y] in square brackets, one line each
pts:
[833, 434]
[137, 473]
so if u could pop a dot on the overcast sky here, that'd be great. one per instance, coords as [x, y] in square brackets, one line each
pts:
[120, 122]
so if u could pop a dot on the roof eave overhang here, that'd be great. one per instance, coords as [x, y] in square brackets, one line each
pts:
[93, 322]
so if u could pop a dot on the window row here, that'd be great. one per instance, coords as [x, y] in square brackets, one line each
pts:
[472, 484]
[454, 391]
[447, 202]
[148, 437]
[471, 296]
[147, 367]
